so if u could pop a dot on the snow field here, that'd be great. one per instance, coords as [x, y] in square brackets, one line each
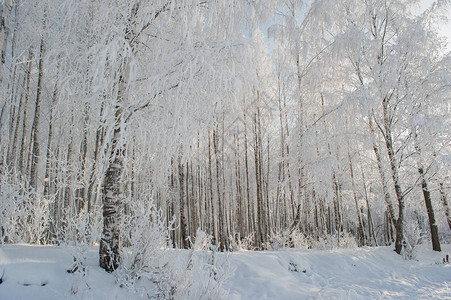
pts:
[40, 272]
[364, 273]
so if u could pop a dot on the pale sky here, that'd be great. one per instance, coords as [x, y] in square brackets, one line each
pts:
[445, 29]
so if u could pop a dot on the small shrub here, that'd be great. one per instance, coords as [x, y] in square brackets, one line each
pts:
[24, 214]
[149, 268]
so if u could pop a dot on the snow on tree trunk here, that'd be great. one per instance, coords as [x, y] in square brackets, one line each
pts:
[399, 225]
[109, 254]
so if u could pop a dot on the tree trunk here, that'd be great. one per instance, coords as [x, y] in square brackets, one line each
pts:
[250, 206]
[337, 205]
[445, 205]
[13, 123]
[211, 211]
[360, 230]
[24, 122]
[296, 220]
[109, 255]
[5, 11]
[279, 221]
[370, 217]
[92, 175]
[68, 203]
[222, 225]
[35, 129]
[239, 189]
[17, 125]
[258, 185]
[385, 190]
[430, 211]
[109, 250]
[80, 194]
[399, 226]
[183, 225]
[12, 115]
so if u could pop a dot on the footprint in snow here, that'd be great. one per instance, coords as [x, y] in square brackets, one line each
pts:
[27, 283]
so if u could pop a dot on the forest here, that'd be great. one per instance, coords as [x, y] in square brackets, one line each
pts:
[261, 124]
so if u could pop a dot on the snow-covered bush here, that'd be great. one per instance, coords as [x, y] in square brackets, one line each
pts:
[342, 240]
[297, 239]
[144, 254]
[150, 268]
[78, 242]
[287, 239]
[77, 234]
[24, 214]
[14, 195]
[243, 243]
[413, 237]
[278, 240]
[205, 271]
[347, 240]
[36, 224]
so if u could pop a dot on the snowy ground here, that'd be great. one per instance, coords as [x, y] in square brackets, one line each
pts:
[368, 273]
[39, 272]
